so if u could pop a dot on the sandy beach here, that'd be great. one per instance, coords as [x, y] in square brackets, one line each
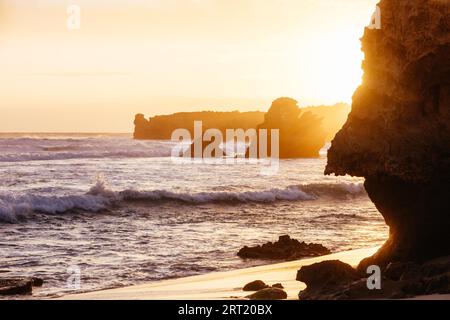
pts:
[222, 285]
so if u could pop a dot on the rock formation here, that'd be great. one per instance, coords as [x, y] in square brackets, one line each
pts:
[19, 286]
[255, 286]
[268, 294]
[301, 134]
[284, 249]
[335, 280]
[397, 135]
[161, 127]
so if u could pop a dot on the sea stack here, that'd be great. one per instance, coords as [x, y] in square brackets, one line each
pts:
[397, 135]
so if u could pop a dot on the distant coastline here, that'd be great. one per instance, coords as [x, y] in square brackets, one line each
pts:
[160, 127]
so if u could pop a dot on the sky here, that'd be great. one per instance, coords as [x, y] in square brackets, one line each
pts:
[164, 56]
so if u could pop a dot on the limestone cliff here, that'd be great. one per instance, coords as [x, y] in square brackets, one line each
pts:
[161, 127]
[397, 135]
[301, 133]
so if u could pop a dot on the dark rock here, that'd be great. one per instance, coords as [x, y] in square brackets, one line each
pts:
[334, 280]
[268, 294]
[278, 285]
[10, 286]
[284, 249]
[37, 282]
[398, 133]
[327, 272]
[255, 286]
[397, 270]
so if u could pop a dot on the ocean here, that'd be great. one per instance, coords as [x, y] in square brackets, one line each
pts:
[122, 212]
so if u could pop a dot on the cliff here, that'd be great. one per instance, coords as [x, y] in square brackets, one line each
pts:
[161, 127]
[397, 135]
[301, 133]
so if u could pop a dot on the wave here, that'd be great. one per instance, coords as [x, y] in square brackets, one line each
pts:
[14, 208]
[26, 149]
[335, 190]
[83, 155]
[99, 198]
[340, 216]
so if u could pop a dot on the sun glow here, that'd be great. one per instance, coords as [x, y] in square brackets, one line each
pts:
[162, 57]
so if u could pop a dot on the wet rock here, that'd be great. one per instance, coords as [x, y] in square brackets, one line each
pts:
[37, 282]
[268, 294]
[255, 286]
[284, 249]
[278, 285]
[19, 286]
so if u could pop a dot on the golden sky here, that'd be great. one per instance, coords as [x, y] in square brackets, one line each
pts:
[164, 56]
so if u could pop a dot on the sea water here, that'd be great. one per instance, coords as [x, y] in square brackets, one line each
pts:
[122, 212]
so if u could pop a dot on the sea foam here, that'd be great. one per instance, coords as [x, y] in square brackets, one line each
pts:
[99, 197]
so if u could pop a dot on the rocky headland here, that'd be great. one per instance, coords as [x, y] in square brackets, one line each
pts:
[303, 131]
[397, 137]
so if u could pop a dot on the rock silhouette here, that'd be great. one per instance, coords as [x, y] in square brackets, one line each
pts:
[301, 134]
[303, 131]
[335, 280]
[397, 135]
[19, 286]
[255, 286]
[284, 249]
[161, 127]
[268, 294]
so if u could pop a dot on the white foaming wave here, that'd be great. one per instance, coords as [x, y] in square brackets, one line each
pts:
[14, 207]
[335, 190]
[264, 196]
[99, 197]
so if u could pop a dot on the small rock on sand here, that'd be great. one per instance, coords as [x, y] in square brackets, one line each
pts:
[255, 286]
[268, 294]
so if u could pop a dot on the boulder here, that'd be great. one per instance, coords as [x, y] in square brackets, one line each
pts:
[284, 249]
[16, 286]
[334, 280]
[255, 286]
[268, 294]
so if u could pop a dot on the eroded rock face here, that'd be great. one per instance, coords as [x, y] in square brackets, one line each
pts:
[398, 133]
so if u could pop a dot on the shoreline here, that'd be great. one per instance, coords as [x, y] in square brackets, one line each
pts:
[225, 285]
